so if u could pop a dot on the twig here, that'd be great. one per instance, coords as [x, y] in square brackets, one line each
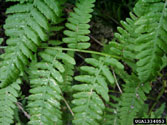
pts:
[68, 106]
[117, 82]
[97, 41]
[19, 105]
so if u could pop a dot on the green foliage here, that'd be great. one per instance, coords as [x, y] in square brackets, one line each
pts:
[21, 1]
[126, 37]
[132, 100]
[110, 115]
[143, 38]
[77, 25]
[8, 98]
[151, 44]
[68, 75]
[27, 25]
[109, 87]
[44, 101]
[87, 101]
[158, 113]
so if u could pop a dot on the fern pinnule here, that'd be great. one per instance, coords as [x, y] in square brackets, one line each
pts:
[68, 75]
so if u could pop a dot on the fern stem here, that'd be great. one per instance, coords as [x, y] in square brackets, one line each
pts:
[78, 50]
[117, 82]
[84, 51]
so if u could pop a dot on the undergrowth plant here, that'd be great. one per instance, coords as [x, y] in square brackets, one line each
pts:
[111, 87]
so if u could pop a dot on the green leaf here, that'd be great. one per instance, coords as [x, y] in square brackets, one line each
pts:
[108, 74]
[1, 40]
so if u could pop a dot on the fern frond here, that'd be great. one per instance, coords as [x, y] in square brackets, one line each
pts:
[158, 112]
[45, 76]
[78, 25]
[124, 44]
[88, 104]
[142, 35]
[143, 7]
[132, 99]
[143, 38]
[8, 98]
[110, 116]
[151, 45]
[27, 25]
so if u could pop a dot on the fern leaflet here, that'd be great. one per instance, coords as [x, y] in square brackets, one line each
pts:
[88, 104]
[45, 76]
[77, 25]
[8, 98]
